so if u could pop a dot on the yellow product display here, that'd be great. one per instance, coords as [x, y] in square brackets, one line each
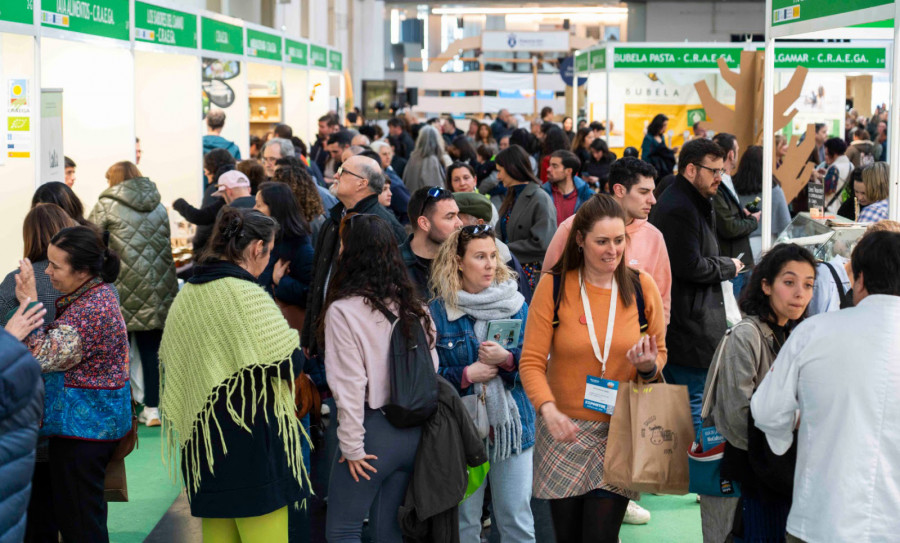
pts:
[268, 528]
[638, 116]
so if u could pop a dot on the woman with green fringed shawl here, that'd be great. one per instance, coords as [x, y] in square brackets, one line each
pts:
[227, 403]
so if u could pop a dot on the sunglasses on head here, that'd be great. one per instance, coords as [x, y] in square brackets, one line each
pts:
[475, 230]
[436, 193]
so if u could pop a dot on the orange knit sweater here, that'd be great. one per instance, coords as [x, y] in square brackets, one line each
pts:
[563, 377]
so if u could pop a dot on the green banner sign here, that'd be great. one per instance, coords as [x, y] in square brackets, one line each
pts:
[221, 37]
[296, 52]
[870, 58]
[581, 62]
[107, 18]
[155, 24]
[263, 45]
[318, 56]
[795, 11]
[676, 57]
[335, 60]
[598, 59]
[17, 11]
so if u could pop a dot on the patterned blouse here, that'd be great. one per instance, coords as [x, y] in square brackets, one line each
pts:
[84, 358]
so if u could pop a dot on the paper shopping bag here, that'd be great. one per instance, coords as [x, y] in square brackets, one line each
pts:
[649, 438]
[115, 486]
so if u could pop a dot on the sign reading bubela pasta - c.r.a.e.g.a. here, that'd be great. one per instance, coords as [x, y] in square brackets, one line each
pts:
[263, 45]
[106, 18]
[296, 52]
[221, 37]
[164, 26]
[676, 57]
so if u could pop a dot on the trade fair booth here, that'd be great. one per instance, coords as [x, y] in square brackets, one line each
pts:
[84, 83]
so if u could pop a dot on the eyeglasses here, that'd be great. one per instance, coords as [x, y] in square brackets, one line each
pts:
[341, 171]
[474, 230]
[716, 173]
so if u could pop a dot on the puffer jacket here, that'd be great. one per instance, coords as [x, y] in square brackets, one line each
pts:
[139, 232]
[21, 406]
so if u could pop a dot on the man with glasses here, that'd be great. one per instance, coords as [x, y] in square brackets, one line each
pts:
[274, 154]
[684, 215]
[434, 215]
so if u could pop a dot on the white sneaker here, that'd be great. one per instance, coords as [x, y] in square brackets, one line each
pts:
[149, 416]
[635, 514]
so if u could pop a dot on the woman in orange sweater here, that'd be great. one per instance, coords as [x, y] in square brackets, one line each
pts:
[593, 344]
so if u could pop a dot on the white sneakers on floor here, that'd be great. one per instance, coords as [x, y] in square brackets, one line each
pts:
[635, 514]
[150, 417]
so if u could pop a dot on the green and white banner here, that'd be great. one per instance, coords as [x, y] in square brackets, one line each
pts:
[335, 60]
[108, 19]
[296, 52]
[868, 58]
[791, 17]
[263, 45]
[17, 11]
[582, 62]
[676, 57]
[164, 26]
[221, 37]
[318, 56]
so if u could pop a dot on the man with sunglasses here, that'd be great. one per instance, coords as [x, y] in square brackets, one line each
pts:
[685, 216]
[434, 215]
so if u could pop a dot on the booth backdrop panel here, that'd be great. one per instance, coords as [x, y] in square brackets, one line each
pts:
[172, 153]
[265, 97]
[436, 105]
[296, 104]
[17, 174]
[225, 75]
[98, 108]
[319, 105]
[822, 100]
[444, 80]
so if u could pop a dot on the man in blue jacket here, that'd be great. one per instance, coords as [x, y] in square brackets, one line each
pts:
[567, 190]
[215, 121]
[21, 408]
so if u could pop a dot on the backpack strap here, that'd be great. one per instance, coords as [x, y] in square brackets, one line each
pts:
[840, 284]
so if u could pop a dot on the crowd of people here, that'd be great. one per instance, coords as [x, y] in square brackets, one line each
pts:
[374, 322]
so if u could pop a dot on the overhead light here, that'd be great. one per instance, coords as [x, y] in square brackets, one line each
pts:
[558, 10]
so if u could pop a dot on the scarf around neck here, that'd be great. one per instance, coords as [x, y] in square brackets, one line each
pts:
[216, 333]
[498, 301]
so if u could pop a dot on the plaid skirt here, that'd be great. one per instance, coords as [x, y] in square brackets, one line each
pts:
[564, 470]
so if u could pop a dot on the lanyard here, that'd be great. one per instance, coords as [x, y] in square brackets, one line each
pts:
[611, 321]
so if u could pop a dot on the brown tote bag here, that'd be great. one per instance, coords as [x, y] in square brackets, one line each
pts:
[649, 437]
[306, 395]
[115, 484]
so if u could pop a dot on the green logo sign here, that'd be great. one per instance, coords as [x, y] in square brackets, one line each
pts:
[794, 11]
[695, 116]
[676, 57]
[296, 52]
[18, 124]
[598, 59]
[581, 62]
[335, 60]
[263, 45]
[17, 11]
[318, 56]
[846, 58]
[221, 37]
[155, 24]
[108, 18]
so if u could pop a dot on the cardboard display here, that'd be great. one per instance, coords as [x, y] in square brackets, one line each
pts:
[795, 169]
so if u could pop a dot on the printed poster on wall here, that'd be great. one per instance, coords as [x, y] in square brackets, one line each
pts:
[17, 118]
[216, 74]
[822, 100]
[52, 158]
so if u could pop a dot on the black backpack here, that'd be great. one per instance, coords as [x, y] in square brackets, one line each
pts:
[638, 298]
[414, 385]
[845, 296]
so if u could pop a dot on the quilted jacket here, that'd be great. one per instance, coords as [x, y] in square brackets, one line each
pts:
[139, 232]
[21, 405]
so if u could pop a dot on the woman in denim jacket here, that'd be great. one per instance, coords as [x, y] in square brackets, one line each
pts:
[472, 287]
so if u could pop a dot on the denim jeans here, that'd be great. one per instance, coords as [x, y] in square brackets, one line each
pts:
[695, 380]
[511, 495]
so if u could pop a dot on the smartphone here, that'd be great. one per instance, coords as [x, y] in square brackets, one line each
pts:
[740, 256]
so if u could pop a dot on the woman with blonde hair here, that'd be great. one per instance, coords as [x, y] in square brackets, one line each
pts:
[428, 161]
[138, 225]
[473, 290]
[872, 192]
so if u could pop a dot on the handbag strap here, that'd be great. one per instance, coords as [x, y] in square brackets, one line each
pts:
[704, 410]
[840, 284]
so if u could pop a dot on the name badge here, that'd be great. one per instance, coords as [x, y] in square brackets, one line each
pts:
[600, 394]
[710, 437]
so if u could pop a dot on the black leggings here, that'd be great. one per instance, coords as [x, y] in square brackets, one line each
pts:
[594, 517]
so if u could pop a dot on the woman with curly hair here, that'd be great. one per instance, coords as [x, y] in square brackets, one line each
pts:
[370, 283]
[306, 194]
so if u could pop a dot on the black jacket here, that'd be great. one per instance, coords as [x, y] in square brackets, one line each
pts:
[204, 218]
[686, 220]
[419, 268]
[327, 245]
[448, 445]
[403, 145]
[733, 227]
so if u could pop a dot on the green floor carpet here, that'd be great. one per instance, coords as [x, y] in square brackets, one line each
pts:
[674, 519]
[150, 491]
